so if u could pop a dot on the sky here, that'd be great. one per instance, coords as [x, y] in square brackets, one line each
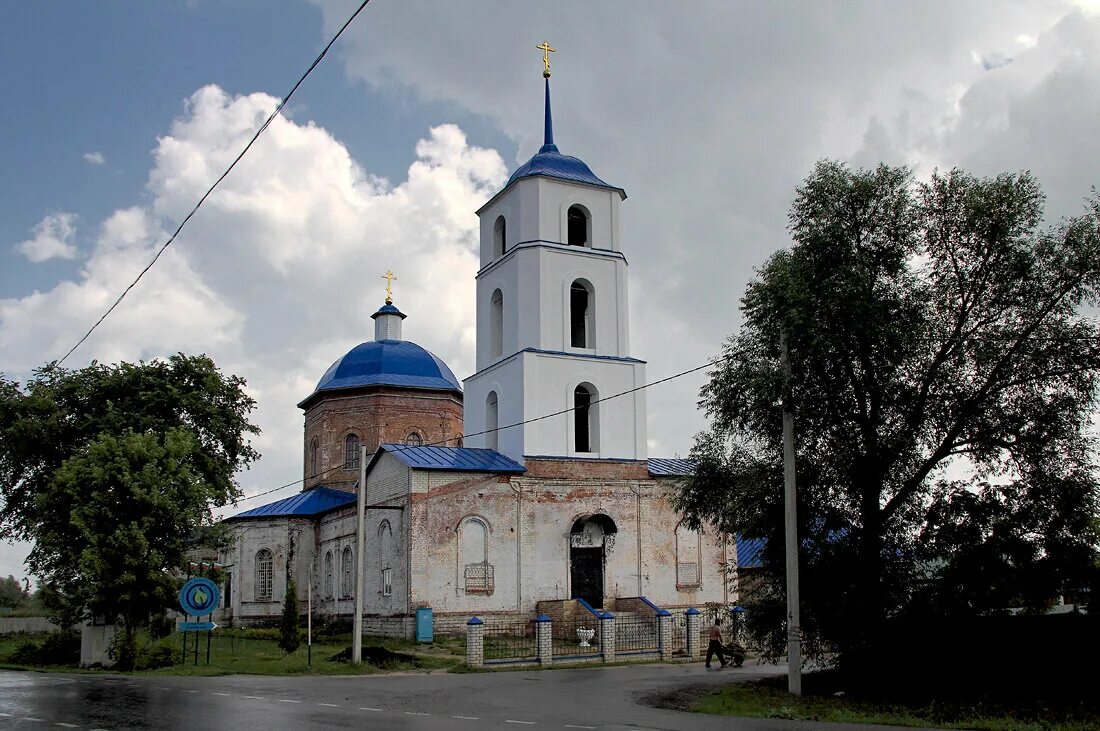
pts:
[120, 113]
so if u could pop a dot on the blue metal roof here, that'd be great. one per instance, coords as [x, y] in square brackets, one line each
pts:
[549, 162]
[749, 552]
[311, 502]
[387, 363]
[456, 459]
[671, 467]
[389, 309]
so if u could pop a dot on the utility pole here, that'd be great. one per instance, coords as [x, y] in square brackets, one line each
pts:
[790, 527]
[360, 510]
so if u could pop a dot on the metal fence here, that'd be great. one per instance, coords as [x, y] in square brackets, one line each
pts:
[568, 642]
[509, 639]
[636, 633]
[679, 630]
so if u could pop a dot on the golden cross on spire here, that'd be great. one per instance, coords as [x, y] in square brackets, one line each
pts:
[389, 277]
[546, 51]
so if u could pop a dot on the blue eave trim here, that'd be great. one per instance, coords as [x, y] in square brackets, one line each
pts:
[552, 246]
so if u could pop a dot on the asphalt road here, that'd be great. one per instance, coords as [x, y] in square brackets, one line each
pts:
[589, 698]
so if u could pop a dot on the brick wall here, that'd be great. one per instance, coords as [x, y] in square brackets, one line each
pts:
[376, 416]
[582, 469]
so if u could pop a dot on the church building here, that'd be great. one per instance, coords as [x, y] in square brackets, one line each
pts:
[526, 484]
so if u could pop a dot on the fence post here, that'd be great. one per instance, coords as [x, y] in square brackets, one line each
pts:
[607, 636]
[692, 633]
[664, 630]
[475, 643]
[544, 638]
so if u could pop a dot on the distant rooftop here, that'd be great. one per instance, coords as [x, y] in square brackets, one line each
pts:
[305, 504]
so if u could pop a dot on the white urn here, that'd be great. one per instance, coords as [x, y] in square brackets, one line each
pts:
[584, 634]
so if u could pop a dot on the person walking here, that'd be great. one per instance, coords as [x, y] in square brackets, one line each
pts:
[715, 646]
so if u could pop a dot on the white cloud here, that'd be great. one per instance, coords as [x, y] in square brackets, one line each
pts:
[94, 158]
[53, 239]
[278, 273]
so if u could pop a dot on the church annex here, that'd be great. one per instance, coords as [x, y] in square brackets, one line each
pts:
[530, 482]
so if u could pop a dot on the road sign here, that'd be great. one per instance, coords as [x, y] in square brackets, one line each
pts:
[199, 596]
[196, 626]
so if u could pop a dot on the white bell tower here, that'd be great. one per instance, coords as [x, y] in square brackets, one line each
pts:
[552, 324]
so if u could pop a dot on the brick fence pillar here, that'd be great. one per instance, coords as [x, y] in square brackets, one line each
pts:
[692, 630]
[544, 638]
[475, 643]
[607, 636]
[664, 633]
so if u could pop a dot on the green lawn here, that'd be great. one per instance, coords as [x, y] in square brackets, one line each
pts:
[256, 652]
[760, 701]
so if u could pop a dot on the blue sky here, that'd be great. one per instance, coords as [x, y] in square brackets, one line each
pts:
[118, 115]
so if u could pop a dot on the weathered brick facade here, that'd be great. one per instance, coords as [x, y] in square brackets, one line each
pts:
[376, 416]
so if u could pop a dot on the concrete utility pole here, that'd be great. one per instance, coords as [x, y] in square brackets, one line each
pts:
[790, 527]
[360, 510]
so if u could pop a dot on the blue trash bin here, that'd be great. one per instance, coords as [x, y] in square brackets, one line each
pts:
[424, 624]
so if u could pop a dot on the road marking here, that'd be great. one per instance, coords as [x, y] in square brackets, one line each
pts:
[5, 715]
[569, 725]
[66, 725]
[466, 718]
[192, 691]
[213, 692]
[254, 697]
[525, 723]
[364, 708]
[329, 705]
[287, 700]
[416, 713]
[32, 718]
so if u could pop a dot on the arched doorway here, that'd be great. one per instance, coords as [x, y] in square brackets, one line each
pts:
[590, 538]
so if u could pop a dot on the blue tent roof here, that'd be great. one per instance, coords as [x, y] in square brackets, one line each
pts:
[311, 502]
[456, 459]
[387, 363]
[550, 163]
[659, 467]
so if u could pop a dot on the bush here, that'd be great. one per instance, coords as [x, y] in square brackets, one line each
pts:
[59, 648]
[158, 656]
[290, 637]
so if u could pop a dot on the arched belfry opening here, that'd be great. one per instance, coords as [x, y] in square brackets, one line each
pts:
[500, 237]
[578, 226]
[496, 324]
[582, 303]
[491, 421]
[586, 422]
[591, 539]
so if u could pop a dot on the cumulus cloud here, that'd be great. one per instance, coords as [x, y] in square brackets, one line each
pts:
[94, 158]
[53, 239]
[278, 273]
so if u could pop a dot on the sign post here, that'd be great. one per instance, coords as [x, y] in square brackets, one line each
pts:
[198, 596]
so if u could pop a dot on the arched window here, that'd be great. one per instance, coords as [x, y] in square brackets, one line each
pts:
[688, 557]
[385, 557]
[346, 572]
[265, 564]
[496, 324]
[500, 237]
[585, 419]
[328, 574]
[491, 418]
[577, 224]
[352, 448]
[314, 450]
[473, 546]
[413, 440]
[581, 306]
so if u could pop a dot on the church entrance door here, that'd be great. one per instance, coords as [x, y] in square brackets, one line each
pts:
[586, 575]
[590, 540]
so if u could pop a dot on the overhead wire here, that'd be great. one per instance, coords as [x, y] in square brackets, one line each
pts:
[278, 109]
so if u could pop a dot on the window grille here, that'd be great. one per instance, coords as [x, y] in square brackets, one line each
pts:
[413, 440]
[351, 452]
[328, 575]
[387, 582]
[345, 567]
[264, 568]
[479, 578]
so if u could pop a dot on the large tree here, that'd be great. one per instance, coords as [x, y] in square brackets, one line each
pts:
[114, 471]
[943, 377]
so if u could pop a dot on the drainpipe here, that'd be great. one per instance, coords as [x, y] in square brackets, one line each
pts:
[519, 545]
[638, 534]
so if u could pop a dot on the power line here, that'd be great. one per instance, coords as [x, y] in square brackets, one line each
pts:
[260, 131]
[401, 448]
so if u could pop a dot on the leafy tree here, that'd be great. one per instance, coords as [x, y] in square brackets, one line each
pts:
[12, 593]
[935, 330]
[113, 472]
[289, 635]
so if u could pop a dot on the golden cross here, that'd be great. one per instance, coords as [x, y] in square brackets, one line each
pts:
[389, 277]
[546, 51]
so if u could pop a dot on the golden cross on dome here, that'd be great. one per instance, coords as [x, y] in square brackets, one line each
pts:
[389, 277]
[546, 51]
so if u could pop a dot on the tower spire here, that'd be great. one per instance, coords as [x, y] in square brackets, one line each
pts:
[548, 131]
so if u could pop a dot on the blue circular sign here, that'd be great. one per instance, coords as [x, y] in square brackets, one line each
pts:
[199, 596]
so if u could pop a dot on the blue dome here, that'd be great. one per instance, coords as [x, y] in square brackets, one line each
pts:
[553, 164]
[387, 363]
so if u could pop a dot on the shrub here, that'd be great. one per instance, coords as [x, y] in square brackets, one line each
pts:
[289, 636]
